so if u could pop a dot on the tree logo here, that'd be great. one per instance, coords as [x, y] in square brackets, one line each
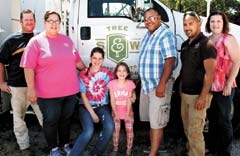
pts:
[117, 47]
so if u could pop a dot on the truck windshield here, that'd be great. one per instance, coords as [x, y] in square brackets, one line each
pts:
[109, 8]
[121, 8]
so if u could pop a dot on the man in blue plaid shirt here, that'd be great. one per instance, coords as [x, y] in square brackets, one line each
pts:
[156, 61]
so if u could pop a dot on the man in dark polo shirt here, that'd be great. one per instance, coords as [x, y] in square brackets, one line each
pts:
[10, 54]
[198, 56]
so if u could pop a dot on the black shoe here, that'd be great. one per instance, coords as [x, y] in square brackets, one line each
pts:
[27, 152]
[114, 153]
[209, 153]
[94, 154]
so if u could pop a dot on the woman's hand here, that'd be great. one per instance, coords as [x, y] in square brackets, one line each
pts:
[227, 90]
[32, 96]
[95, 117]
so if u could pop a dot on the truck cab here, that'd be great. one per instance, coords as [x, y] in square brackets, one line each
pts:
[117, 26]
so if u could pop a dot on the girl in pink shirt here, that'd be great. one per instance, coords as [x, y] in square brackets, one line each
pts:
[121, 95]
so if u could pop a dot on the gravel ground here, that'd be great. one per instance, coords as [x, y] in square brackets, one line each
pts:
[174, 143]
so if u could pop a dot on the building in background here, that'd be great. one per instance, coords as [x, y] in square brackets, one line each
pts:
[5, 19]
[9, 17]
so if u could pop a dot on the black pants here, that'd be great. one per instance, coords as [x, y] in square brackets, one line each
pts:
[57, 113]
[220, 134]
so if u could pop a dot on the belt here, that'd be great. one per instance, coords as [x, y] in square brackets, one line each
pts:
[97, 105]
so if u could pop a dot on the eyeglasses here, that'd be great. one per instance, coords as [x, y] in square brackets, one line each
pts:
[151, 18]
[52, 21]
[193, 14]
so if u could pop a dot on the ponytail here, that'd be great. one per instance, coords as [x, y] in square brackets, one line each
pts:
[90, 64]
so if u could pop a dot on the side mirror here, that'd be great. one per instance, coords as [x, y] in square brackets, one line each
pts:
[137, 14]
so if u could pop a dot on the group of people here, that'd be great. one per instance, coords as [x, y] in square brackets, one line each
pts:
[207, 81]
[47, 72]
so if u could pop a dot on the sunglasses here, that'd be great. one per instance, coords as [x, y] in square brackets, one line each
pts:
[150, 18]
[193, 14]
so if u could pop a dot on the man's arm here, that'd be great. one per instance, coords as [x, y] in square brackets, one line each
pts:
[167, 71]
[3, 84]
[209, 66]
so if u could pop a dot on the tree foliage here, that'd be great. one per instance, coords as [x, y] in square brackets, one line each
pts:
[230, 7]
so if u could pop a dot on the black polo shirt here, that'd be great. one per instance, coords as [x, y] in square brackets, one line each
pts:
[11, 52]
[192, 57]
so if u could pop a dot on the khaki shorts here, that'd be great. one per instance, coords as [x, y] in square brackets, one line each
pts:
[156, 109]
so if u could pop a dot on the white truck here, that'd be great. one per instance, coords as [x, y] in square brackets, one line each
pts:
[115, 25]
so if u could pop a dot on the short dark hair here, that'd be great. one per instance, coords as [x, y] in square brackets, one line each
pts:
[224, 18]
[50, 12]
[193, 14]
[27, 11]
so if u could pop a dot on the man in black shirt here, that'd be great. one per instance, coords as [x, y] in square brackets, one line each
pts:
[15, 84]
[198, 57]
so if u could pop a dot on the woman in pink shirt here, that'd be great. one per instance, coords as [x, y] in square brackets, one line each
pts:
[121, 95]
[224, 84]
[49, 63]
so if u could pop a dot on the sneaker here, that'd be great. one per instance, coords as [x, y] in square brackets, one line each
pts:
[55, 152]
[67, 149]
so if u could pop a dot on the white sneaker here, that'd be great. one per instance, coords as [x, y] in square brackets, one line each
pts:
[67, 149]
[55, 152]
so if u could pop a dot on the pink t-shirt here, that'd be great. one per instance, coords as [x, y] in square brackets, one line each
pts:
[54, 63]
[121, 95]
[223, 66]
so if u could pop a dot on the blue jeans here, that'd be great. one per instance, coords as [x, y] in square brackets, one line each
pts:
[57, 113]
[220, 126]
[88, 130]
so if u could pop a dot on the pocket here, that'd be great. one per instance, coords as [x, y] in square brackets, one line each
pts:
[163, 115]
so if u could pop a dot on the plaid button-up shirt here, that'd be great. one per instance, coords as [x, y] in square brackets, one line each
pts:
[155, 48]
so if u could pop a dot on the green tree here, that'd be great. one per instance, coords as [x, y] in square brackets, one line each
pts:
[230, 7]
